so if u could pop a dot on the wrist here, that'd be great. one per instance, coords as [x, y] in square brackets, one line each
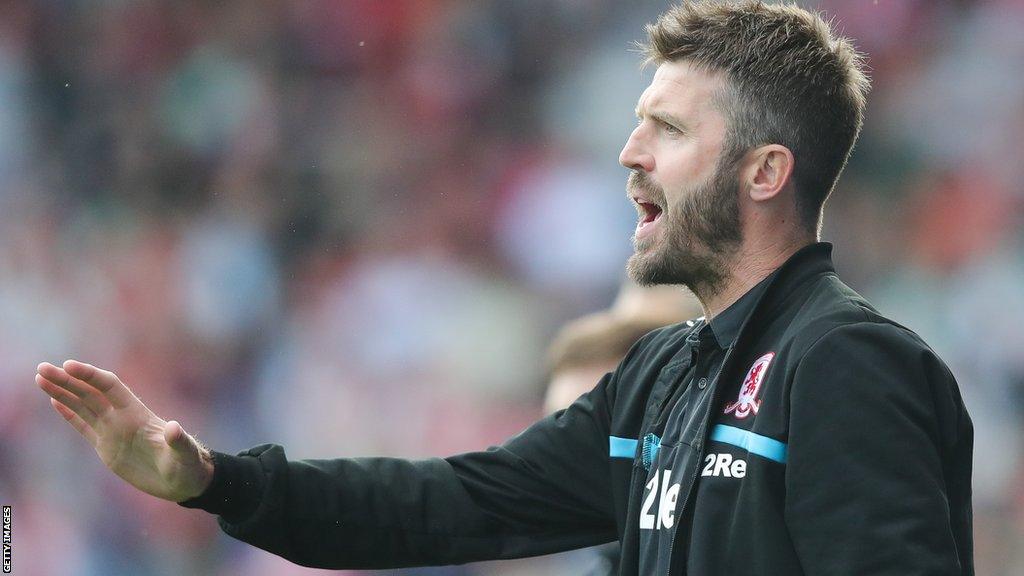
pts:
[207, 467]
[235, 488]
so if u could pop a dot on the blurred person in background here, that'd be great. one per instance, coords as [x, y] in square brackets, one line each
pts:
[743, 132]
[587, 348]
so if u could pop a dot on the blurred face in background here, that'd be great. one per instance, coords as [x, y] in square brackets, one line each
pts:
[687, 200]
[571, 382]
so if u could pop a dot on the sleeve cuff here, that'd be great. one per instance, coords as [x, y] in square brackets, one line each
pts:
[236, 488]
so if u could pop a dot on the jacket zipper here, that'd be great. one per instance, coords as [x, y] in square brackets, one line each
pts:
[670, 399]
[711, 389]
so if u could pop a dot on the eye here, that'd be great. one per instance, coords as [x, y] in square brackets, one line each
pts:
[671, 130]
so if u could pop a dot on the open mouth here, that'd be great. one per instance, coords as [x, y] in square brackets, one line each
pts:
[647, 211]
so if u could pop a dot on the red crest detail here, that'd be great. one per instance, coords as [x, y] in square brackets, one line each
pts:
[748, 402]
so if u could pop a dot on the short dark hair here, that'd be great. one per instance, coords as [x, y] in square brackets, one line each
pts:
[791, 81]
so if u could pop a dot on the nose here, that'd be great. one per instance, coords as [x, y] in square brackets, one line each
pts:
[634, 154]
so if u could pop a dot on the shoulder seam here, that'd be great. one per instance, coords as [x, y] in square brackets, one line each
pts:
[868, 320]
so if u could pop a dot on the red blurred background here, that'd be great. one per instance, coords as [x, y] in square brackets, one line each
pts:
[351, 227]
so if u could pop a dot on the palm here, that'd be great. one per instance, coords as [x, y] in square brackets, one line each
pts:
[128, 437]
[131, 443]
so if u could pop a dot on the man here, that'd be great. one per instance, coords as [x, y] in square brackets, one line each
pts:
[792, 430]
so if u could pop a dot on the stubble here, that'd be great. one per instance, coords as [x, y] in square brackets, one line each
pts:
[698, 236]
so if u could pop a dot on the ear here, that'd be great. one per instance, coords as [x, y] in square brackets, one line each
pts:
[768, 171]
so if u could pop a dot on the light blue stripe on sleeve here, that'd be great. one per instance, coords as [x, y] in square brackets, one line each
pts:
[621, 447]
[769, 448]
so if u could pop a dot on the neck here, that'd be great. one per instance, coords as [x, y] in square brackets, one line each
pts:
[747, 267]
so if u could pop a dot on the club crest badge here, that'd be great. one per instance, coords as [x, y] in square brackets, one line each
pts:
[748, 402]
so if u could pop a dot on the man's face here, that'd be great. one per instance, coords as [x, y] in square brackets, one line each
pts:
[687, 201]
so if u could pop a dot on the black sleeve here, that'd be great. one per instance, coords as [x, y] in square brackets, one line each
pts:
[875, 421]
[545, 490]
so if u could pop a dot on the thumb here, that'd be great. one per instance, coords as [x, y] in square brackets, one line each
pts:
[177, 439]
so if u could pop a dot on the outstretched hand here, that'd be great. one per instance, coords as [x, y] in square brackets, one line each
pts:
[154, 455]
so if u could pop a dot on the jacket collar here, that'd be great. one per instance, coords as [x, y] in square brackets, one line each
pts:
[806, 263]
[726, 325]
[810, 261]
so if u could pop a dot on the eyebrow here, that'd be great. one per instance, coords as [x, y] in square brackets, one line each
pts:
[664, 117]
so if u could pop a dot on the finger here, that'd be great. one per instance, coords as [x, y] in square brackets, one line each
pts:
[178, 439]
[90, 396]
[107, 383]
[67, 399]
[52, 373]
[75, 420]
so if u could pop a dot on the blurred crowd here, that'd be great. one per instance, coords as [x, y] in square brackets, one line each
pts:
[352, 227]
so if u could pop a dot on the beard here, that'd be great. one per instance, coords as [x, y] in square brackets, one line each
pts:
[698, 236]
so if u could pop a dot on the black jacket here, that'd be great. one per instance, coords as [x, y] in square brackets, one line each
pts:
[856, 444]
